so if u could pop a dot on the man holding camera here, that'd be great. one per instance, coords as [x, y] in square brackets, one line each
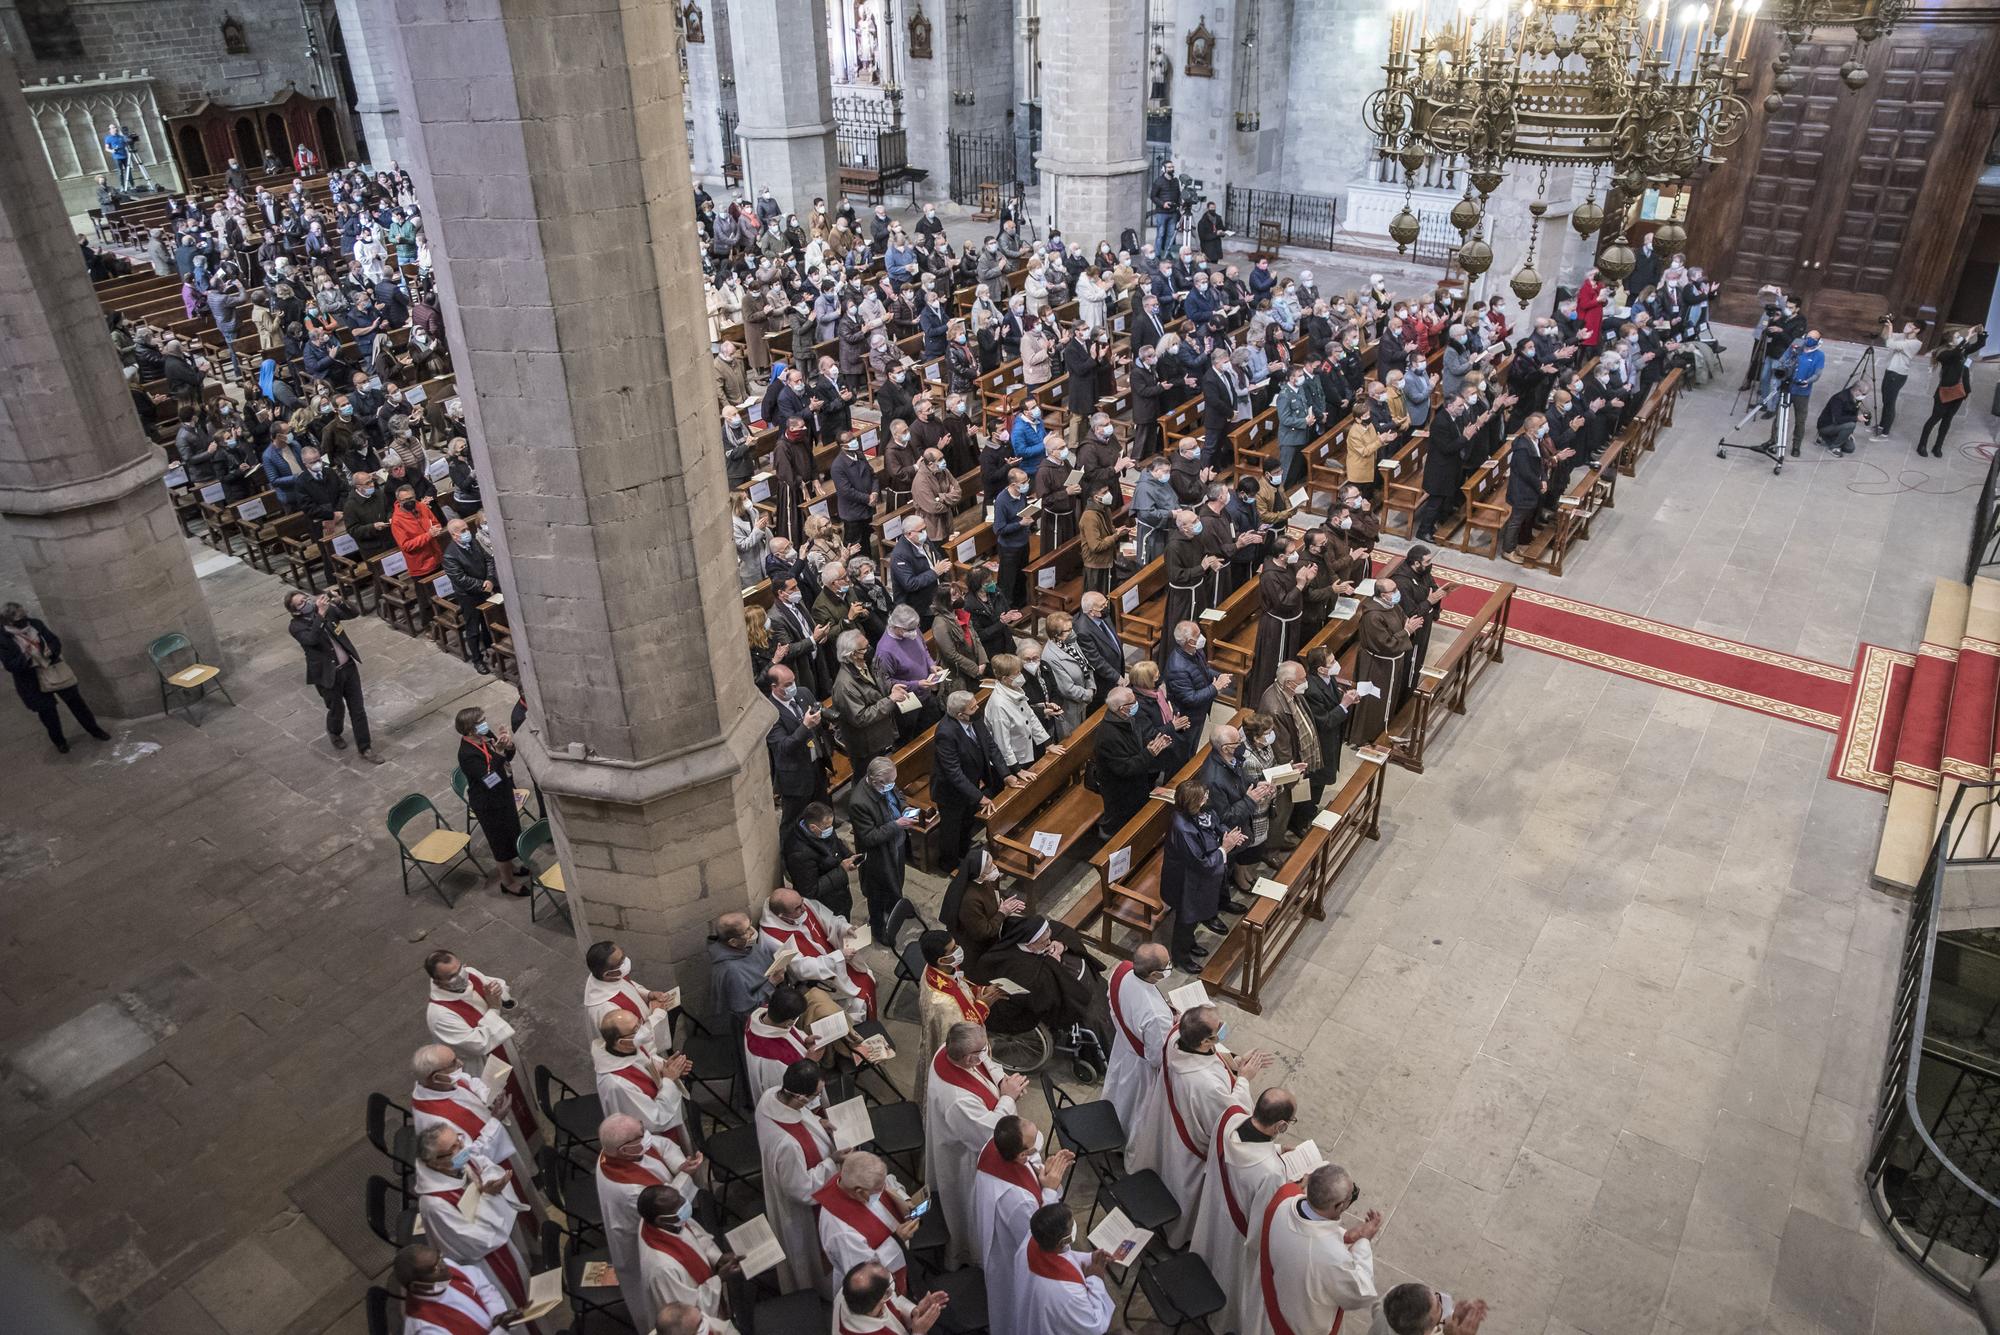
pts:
[333, 666]
[1166, 201]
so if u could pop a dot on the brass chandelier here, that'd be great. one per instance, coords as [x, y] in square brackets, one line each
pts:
[1641, 95]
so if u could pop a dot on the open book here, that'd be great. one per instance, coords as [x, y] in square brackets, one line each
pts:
[545, 1295]
[1301, 1159]
[1187, 996]
[850, 1123]
[780, 962]
[1120, 1237]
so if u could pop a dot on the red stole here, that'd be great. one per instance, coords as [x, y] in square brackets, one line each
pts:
[636, 1075]
[515, 1094]
[873, 1228]
[808, 1147]
[633, 1172]
[446, 1316]
[1052, 1265]
[1015, 1173]
[787, 1049]
[809, 939]
[1222, 1125]
[625, 1003]
[1118, 1013]
[501, 1258]
[451, 1110]
[949, 1071]
[1194, 1147]
[464, 1010]
[680, 1249]
[1266, 1276]
[890, 1311]
[970, 1008]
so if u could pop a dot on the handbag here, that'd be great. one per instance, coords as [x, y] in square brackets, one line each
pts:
[55, 677]
[1951, 393]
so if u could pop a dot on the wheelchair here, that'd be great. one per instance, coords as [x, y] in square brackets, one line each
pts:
[1029, 1050]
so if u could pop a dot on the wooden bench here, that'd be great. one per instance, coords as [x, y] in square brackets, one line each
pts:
[1445, 682]
[1053, 801]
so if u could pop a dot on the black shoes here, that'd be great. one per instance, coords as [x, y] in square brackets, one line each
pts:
[372, 758]
[63, 747]
[100, 734]
[339, 742]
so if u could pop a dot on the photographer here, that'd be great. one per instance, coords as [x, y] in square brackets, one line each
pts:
[1903, 349]
[1166, 201]
[1841, 415]
[1954, 382]
[333, 666]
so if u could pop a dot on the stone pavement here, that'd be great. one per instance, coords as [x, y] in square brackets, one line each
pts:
[1599, 1029]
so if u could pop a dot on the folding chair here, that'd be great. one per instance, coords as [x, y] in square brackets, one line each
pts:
[182, 673]
[383, 1319]
[1180, 1288]
[393, 1221]
[544, 883]
[801, 1313]
[965, 1313]
[896, 1131]
[581, 1212]
[437, 852]
[910, 965]
[398, 1143]
[733, 1157]
[462, 791]
[1091, 1129]
[713, 1054]
[574, 1115]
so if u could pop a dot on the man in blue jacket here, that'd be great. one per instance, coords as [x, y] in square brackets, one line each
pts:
[1803, 365]
[1010, 535]
[1191, 683]
[281, 465]
[1026, 440]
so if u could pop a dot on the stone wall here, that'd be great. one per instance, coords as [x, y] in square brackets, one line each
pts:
[1337, 49]
[180, 41]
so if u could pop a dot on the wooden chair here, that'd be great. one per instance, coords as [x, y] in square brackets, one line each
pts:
[989, 202]
[1270, 235]
[548, 884]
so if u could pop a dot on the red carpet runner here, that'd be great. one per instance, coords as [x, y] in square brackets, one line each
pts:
[1781, 685]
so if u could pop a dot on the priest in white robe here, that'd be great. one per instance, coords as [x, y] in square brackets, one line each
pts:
[1245, 1166]
[636, 1083]
[1062, 1291]
[444, 1092]
[863, 1216]
[1311, 1267]
[1140, 1019]
[1418, 1309]
[609, 987]
[679, 1261]
[491, 1240]
[441, 1297]
[684, 1319]
[795, 1146]
[1198, 1081]
[866, 1303]
[629, 1160]
[774, 1038]
[1012, 1183]
[822, 938]
[966, 1096]
[466, 1013]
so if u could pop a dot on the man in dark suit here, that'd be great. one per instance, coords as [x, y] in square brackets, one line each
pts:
[1101, 648]
[333, 666]
[1149, 400]
[799, 753]
[816, 862]
[470, 568]
[1128, 766]
[1191, 683]
[1224, 399]
[914, 568]
[882, 837]
[966, 775]
[1148, 327]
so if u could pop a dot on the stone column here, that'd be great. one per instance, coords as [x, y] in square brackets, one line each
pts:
[704, 103]
[1093, 156]
[560, 211]
[79, 482]
[784, 100]
[372, 60]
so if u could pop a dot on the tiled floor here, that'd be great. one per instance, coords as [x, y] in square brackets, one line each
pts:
[1599, 1028]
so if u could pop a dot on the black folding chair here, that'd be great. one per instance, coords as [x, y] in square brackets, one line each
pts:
[965, 1313]
[1180, 1289]
[1091, 1129]
[733, 1158]
[580, 1206]
[383, 1318]
[574, 1115]
[396, 1137]
[392, 1220]
[718, 1064]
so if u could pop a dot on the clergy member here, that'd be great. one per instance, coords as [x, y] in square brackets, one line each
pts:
[822, 939]
[1311, 1268]
[863, 1216]
[1281, 591]
[1062, 1291]
[464, 1015]
[629, 1160]
[867, 1304]
[445, 1093]
[686, 1319]
[1418, 1309]
[490, 1241]
[795, 1146]
[679, 1262]
[610, 987]
[441, 1297]
[1140, 1019]
[1380, 662]
[1244, 1168]
[967, 1095]
[1197, 1082]
[634, 1082]
[773, 1040]
[1013, 1182]
[948, 997]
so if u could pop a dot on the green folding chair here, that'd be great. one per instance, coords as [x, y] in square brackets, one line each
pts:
[183, 674]
[463, 791]
[548, 882]
[435, 853]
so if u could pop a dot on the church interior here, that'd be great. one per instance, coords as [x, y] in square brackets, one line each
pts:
[1375, 632]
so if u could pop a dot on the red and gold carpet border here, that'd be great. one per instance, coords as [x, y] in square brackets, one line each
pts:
[1864, 755]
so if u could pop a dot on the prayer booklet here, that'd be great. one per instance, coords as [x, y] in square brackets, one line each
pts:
[468, 1199]
[781, 962]
[545, 1295]
[1280, 775]
[1119, 865]
[1301, 1159]
[1343, 608]
[600, 1275]
[1117, 1235]
[1269, 888]
[672, 997]
[830, 1028]
[858, 936]
[1212, 614]
[909, 704]
[850, 1123]
[876, 1049]
[1045, 843]
[1187, 996]
[1298, 498]
[1365, 589]
[1367, 690]
[1326, 820]
[1010, 987]
[1373, 754]
[495, 1074]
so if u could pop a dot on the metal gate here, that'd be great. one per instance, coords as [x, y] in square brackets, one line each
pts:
[980, 159]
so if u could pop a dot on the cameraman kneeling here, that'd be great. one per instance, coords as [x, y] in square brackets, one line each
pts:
[1840, 416]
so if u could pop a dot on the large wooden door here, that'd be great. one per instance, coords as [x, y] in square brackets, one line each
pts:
[1858, 201]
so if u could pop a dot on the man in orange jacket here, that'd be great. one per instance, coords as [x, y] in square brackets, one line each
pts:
[417, 533]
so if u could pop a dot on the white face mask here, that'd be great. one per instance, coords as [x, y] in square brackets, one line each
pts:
[1268, 740]
[624, 969]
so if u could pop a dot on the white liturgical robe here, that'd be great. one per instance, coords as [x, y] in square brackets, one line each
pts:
[1238, 1173]
[465, 1023]
[797, 1154]
[1004, 1197]
[679, 1267]
[467, 1306]
[468, 1105]
[961, 1108]
[488, 1242]
[626, 1083]
[619, 1182]
[818, 938]
[1307, 1275]
[894, 1318]
[851, 1232]
[1141, 1019]
[1177, 1133]
[602, 996]
[1057, 1299]
[768, 1049]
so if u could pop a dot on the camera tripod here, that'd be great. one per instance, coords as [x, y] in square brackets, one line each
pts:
[1773, 448]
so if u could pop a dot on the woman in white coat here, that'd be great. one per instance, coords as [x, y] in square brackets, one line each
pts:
[1092, 295]
[1010, 717]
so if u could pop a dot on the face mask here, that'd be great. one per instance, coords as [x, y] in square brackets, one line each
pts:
[1268, 740]
[484, 729]
[347, 412]
[1222, 1032]
[624, 969]
[1395, 597]
[1132, 710]
[1031, 666]
[463, 1157]
[364, 492]
[1197, 528]
[868, 579]
[827, 833]
[465, 538]
[1291, 558]
[458, 982]
[789, 694]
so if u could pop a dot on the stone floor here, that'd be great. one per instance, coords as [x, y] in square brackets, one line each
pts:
[1599, 1028]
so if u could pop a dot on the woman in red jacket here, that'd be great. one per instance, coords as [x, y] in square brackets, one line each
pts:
[1590, 310]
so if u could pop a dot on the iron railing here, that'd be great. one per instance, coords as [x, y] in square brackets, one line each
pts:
[981, 159]
[867, 135]
[1985, 547]
[1927, 1116]
[732, 147]
[1303, 220]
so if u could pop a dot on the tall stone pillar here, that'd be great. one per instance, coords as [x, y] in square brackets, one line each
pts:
[1093, 156]
[784, 100]
[559, 208]
[704, 102]
[372, 59]
[80, 484]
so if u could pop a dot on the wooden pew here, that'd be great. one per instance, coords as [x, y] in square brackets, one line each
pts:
[1053, 801]
[1445, 682]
